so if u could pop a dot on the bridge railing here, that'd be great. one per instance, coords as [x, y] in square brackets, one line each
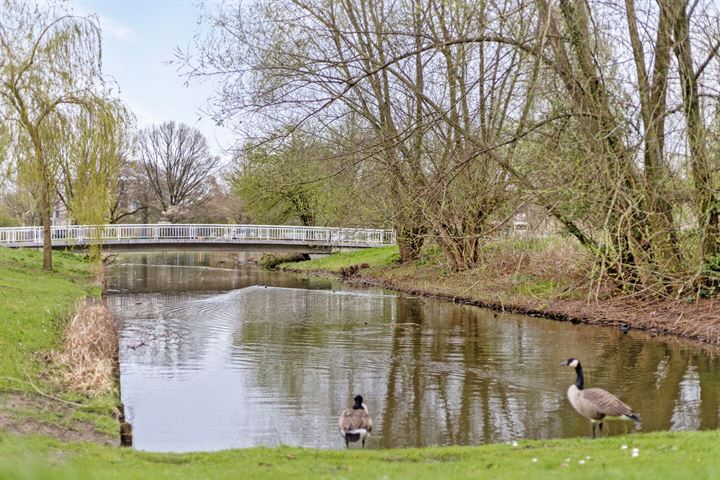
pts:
[127, 233]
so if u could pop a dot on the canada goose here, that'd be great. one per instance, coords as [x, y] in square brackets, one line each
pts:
[355, 423]
[595, 403]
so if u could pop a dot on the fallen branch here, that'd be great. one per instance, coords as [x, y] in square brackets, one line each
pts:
[46, 395]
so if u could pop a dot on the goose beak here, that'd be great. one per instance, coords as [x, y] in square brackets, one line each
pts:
[564, 364]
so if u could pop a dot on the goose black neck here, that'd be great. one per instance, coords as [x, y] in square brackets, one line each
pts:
[358, 405]
[580, 380]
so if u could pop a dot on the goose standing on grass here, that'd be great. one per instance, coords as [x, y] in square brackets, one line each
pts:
[595, 403]
[355, 423]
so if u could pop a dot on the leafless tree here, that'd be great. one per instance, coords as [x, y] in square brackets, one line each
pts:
[329, 62]
[177, 163]
[603, 113]
[131, 196]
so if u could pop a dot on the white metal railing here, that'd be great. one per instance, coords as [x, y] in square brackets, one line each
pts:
[166, 232]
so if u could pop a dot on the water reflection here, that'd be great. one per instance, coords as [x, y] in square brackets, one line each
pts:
[240, 357]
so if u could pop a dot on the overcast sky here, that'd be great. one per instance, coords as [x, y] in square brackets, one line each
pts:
[139, 36]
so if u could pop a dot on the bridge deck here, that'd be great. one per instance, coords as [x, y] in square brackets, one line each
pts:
[199, 236]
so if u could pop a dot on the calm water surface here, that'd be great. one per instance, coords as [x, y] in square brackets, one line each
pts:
[215, 355]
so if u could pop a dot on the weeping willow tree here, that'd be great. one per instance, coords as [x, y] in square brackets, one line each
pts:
[50, 76]
[93, 148]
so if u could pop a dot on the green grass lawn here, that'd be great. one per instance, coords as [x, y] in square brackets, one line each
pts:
[34, 306]
[374, 257]
[34, 309]
[691, 455]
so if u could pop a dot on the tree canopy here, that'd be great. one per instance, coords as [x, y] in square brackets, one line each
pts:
[178, 166]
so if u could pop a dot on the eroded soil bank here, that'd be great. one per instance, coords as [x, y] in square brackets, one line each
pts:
[34, 414]
[699, 320]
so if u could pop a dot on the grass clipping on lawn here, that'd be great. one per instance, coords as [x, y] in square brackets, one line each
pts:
[90, 350]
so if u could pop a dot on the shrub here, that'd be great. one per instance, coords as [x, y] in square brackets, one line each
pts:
[271, 260]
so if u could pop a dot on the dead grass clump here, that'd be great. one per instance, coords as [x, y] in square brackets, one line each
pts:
[90, 349]
[565, 263]
[555, 260]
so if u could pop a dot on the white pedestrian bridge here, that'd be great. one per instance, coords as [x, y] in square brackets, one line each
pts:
[167, 236]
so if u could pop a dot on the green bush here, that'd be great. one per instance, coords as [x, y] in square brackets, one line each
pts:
[271, 260]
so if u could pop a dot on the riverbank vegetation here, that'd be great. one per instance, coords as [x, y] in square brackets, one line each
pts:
[456, 122]
[41, 389]
[373, 257]
[654, 455]
[89, 351]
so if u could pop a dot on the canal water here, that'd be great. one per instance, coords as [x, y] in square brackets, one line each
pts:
[216, 355]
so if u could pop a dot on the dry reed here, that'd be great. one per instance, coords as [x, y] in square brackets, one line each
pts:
[90, 349]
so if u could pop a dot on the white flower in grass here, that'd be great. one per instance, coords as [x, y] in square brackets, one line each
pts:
[623, 447]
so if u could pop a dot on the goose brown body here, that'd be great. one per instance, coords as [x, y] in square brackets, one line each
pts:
[596, 404]
[355, 423]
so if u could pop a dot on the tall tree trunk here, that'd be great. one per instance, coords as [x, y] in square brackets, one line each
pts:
[47, 237]
[653, 99]
[707, 203]
[45, 203]
[639, 238]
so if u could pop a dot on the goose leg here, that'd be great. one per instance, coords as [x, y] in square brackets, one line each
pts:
[347, 444]
[363, 442]
[593, 429]
[601, 428]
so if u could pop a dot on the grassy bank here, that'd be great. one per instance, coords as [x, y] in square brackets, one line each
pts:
[511, 271]
[545, 276]
[35, 307]
[659, 455]
[376, 258]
